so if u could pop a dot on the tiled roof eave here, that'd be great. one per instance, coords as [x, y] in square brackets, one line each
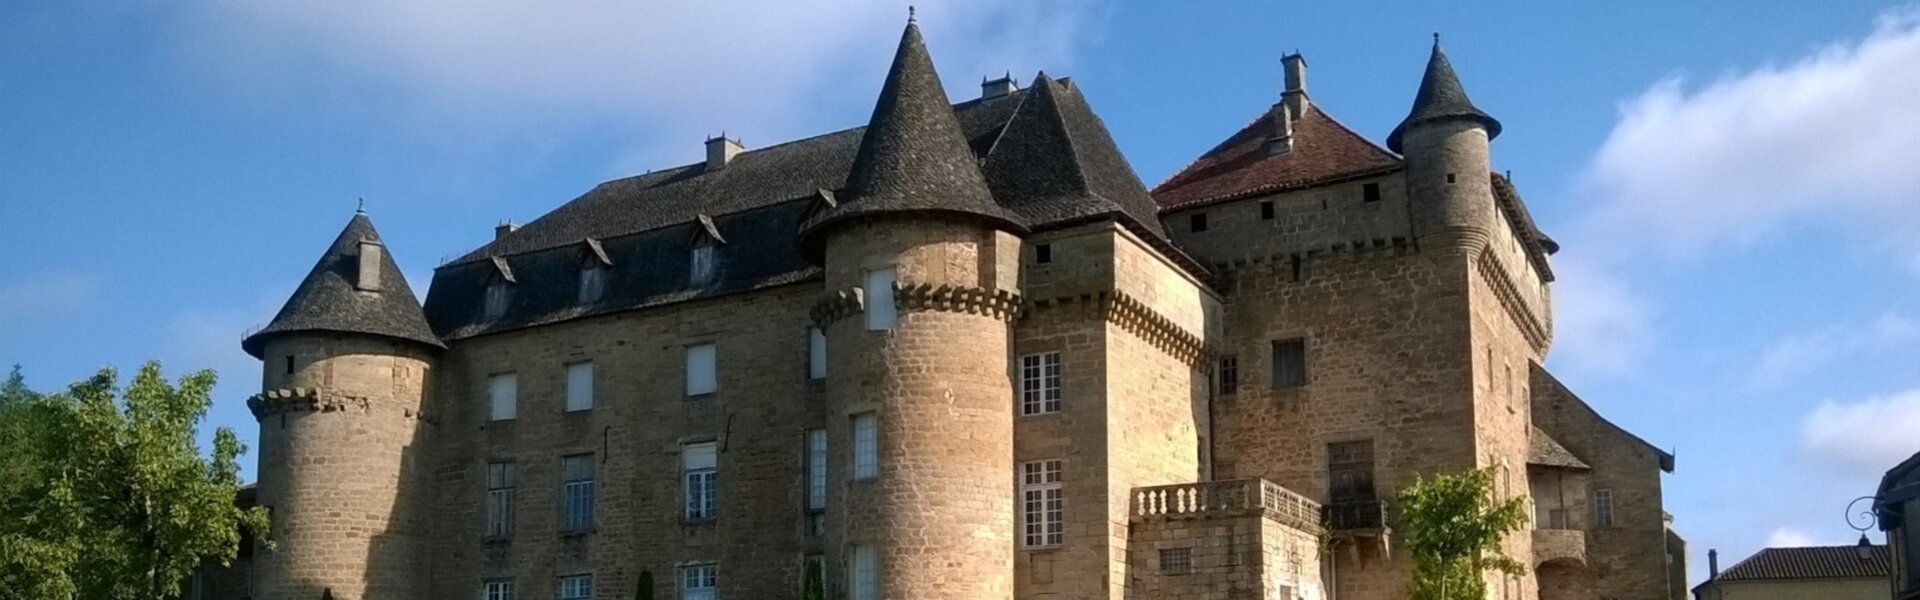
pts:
[1284, 186]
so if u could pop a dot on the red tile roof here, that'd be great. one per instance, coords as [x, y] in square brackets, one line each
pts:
[1323, 151]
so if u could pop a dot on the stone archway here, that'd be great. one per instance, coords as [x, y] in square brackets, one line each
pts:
[1564, 579]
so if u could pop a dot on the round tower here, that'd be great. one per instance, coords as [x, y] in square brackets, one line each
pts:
[347, 364]
[1449, 171]
[921, 268]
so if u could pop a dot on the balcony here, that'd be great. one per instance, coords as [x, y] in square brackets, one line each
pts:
[1559, 544]
[1356, 516]
[1237, 497]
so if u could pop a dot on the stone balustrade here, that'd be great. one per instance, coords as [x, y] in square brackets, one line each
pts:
[1236, 497]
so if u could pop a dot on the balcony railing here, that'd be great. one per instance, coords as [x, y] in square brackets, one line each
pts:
[1356, 515]
[1227, 498]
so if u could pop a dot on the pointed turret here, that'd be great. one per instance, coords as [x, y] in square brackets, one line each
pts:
[354, 288]
[913, 156]
[1441, 98]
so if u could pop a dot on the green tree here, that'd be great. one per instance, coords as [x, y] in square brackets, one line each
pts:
[644, 589]
[813, 588]
[121, 503]
[1454, 528]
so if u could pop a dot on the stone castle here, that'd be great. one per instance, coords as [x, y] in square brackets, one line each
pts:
[961, 353]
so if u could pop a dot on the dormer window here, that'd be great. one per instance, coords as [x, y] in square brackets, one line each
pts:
[703, 262]
[498, 293]
[593, 278]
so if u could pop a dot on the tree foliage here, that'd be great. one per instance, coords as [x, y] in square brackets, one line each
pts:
[106, 492]
[812, 587]
[644, 589]
[1454, 530]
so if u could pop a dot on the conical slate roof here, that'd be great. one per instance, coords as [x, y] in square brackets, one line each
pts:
[1440, 98]
[328, 301]
[913, 156]
[1054, 162]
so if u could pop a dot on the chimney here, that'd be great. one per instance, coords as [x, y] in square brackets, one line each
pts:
[996, 88]
[721, 151]
[1713, 565]
[1282, 141]
[1295, 95]
[367, 277]
[504, 228]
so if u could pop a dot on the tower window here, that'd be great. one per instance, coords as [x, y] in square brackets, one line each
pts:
[881, 311]
[577, 492]
[289, 364]
[699, 466]
[816, 354]
[1350, 471]
[1229, 375]
[866, 446]
[503, 395]
[702, 372]
[698, 582]
[863, 577]
[1198, 222]
[1370, 192]
[1266, 210]
[816, 479]
[501, 479]
[1289, 363]
[579, 386]
[1040, 383]
[1043, 253]
[576, 587]
[1043, 504]
[1449, 178]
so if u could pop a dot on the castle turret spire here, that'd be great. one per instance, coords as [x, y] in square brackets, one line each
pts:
[913, 156]
[1441, 98]
[355, 288]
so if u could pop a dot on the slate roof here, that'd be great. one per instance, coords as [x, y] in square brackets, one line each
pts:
[913, 156]
[1814, 562]
[1440, 98]
[327, 299]
[1900, 485]
[1543, 450]
[1324, 151]
[1045, 159]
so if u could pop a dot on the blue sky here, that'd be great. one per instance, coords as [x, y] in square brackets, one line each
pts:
[1733, 182]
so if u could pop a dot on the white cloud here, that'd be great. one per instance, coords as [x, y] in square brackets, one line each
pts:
[660, 73]
[37, 298]
[1831, 138]
[1602, 324]
[1866, 437]
[1806, 353]
[1788, 537]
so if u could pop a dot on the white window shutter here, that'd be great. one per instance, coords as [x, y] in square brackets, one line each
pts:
[701, 373]
[504, 391]
[699, 456]
[579, 386]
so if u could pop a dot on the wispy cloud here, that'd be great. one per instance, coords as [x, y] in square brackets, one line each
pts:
[1603, 326]
[37, 298]
[1830, 138]
[1865, 437]
[1807, 353]
[661, 74]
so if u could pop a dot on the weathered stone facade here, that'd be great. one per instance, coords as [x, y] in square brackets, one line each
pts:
[1075, 393]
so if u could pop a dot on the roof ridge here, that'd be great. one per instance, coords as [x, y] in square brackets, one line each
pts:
[1222, 145]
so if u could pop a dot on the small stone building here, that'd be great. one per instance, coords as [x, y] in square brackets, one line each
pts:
[959, 353]
[1822, 572]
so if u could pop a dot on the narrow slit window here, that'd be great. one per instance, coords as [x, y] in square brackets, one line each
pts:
[1603, 508]
[816, 354]
[866, 446]
[1229, 375]
[881, 312]
[816, 478]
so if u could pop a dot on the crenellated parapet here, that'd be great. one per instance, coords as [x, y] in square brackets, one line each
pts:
[1002, 305]
[1140, 319]
[312, 400]
[1538, 331]
[839, 304]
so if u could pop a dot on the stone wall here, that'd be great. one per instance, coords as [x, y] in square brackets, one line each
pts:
[1834, 589]
[1232, 551]
[1629, 558]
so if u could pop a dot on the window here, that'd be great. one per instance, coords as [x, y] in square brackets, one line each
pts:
[496, 301]
[593, 280]
[1229, 374]
[700, 263]
[1176, 560]
[1266, 210]
[699, 468]
[1449, 178]
[1043, 504]
[881, 312]
[1350, 471]
[866, 446]
[1370, 192]
[1289, 363]
[1043, 253]
[1603, 508]
[863, 577]
[698, 582]
[503, 391]
[501, 479]
[702, 377]
[499, 589]
[1040, 383]
[816, 354]
[579, 386]
[576, 514]
[1197, 222]
[289, 364]
[576, 587]
[816, 478]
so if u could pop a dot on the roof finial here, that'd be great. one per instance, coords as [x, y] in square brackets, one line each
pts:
[1436, 39]
[363, 207]
[910, 17]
